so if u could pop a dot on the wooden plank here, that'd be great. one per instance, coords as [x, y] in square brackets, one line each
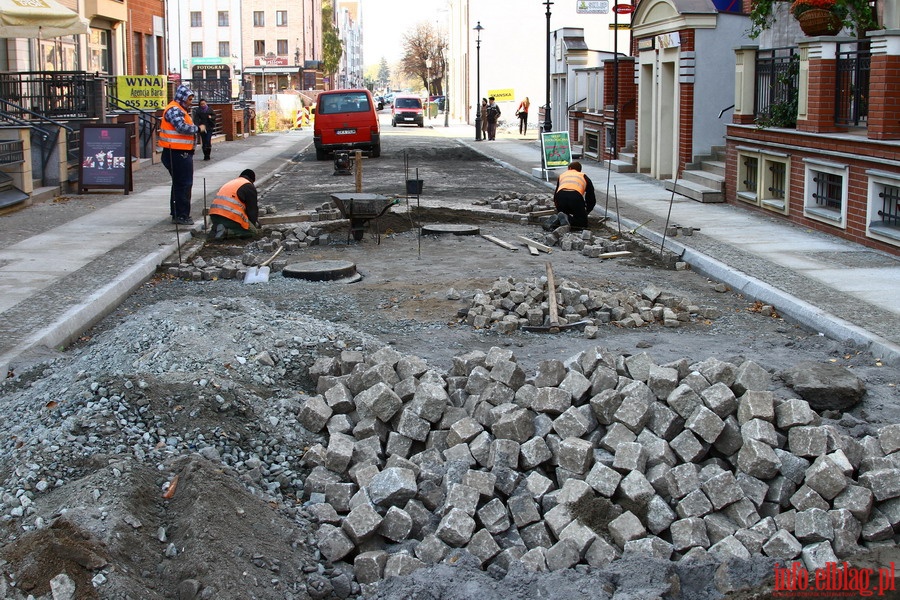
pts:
[277, 219]
[551, 300]
[614, 254]
[537, 214]
[499, 242]
[538, 245]
[533, 250]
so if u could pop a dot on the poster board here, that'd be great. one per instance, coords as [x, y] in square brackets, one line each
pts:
[104, 160]
[556, 150]
[146, 92]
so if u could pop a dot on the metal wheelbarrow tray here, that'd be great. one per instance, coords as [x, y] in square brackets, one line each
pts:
[360, 208]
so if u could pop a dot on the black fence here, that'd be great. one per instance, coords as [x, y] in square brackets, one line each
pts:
[55, 94]
[777, 87]
[851, 105]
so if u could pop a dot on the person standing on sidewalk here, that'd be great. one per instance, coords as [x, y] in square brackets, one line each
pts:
[493, 115]
[522, 113]
[575, 196]
[204, 115]
[177, 137]
[483, 110]
[235, 209]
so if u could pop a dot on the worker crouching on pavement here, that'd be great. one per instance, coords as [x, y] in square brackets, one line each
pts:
[234, 211]
[574, 196]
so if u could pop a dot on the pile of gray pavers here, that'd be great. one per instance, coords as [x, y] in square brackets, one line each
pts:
[510, 304]
[521, 203]
[582, 463]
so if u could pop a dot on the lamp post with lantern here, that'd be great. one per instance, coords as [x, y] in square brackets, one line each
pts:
[478, 28]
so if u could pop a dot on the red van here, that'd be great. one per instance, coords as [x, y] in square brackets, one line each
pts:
[346, 120]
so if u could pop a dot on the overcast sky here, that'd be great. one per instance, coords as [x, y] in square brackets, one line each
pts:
[385, 22]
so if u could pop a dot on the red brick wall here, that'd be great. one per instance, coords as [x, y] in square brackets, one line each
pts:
[884, 103]
[140, 14]
[821, 104]
[859, 154]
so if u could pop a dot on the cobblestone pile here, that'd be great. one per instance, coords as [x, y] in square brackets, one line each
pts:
[510, 304]
[606, 457]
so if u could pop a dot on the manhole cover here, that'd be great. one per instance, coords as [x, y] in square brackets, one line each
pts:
[321, 270]
[455, 229]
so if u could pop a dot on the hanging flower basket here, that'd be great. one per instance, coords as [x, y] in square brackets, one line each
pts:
[818, 21]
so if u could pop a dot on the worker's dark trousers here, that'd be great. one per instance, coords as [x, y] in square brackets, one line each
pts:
[180, 165]
[572, 203]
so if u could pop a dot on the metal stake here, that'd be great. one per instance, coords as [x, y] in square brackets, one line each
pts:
[204, 204]
[668, 215]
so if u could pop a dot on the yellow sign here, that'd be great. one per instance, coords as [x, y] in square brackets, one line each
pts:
[146, 92]
[503, 95]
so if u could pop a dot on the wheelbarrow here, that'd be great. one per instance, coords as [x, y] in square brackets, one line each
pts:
[360, 208]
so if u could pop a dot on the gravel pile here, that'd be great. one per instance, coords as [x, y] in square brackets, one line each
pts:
[609, 456]
[510, 304]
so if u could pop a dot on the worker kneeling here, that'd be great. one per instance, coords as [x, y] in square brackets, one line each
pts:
[574, 196]
[235, 210]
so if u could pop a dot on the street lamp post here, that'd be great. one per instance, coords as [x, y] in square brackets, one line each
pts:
[478, 29]
[548, 121]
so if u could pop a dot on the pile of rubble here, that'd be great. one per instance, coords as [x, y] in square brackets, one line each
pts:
[610, 456]
[511, 304]
[518, 202]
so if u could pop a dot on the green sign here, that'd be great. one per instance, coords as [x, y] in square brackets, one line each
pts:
[556, 149]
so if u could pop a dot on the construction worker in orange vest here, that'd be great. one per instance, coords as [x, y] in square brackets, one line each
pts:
[574, 198]
[178, 138]
[235, 210]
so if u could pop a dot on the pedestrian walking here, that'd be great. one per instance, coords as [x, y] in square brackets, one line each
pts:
[177, 137]
[204, 115]
[574, 196]
[522, 113]
[493, 115]
[484, 124]
[234, 211]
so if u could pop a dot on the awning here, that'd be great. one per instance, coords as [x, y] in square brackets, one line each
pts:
[39, 19]
[271, 70]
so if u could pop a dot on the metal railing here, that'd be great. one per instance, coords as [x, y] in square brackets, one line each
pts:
[55, 94]
[777, 87]
[890, 206]
[212, 90]
[12, 152]
[44, 135]
[148, 122]
[851, 105]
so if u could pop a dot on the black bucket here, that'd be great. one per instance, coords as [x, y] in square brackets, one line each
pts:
[414, 187]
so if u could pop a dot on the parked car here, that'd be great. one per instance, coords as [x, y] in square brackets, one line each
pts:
[346, 120]
[379, 102]
[407, 110]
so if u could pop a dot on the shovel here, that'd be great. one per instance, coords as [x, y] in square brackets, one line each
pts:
[260, 274]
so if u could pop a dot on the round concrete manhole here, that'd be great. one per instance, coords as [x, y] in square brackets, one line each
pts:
[454, 228]
[322, 270]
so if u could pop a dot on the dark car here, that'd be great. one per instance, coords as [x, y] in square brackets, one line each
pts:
[379, 102]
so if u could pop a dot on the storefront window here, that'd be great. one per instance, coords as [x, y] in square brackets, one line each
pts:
[98, 50]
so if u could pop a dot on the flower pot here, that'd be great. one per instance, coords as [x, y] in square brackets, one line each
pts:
[818, 21]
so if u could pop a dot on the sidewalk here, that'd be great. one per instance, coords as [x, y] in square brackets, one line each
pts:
[59, 280]
[840, 289]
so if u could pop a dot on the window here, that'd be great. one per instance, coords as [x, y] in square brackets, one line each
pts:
[281, 18]
[763, 179]
[591, 143]
[223, 18]
[825, 192]
[282, 47]
[259, 47]
[225, 49]
[259, 18]
[196, 19]
[883, 215]
[196, 49]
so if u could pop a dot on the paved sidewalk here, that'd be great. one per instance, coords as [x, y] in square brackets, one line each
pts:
[57, 282]
[841, 289]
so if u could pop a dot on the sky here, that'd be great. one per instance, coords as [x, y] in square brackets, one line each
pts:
[386, 21]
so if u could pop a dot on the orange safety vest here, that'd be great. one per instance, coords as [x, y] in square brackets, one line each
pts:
[169, 136]
[227, 204]
[572, 180]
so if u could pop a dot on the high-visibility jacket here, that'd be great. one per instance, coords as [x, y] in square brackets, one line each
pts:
[572, 180]
[170, 138]
[227, 204]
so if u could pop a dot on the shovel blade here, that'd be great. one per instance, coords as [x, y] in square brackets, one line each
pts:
[257, 275]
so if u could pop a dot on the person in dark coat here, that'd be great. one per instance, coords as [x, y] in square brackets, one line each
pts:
[204, 115]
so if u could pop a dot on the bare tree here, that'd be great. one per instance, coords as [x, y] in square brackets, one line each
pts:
[424, 50]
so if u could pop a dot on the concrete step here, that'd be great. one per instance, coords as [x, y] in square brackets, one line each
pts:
[621, 166]
[695, 191]
[714, 166]
[706, 178]
[627, 157]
